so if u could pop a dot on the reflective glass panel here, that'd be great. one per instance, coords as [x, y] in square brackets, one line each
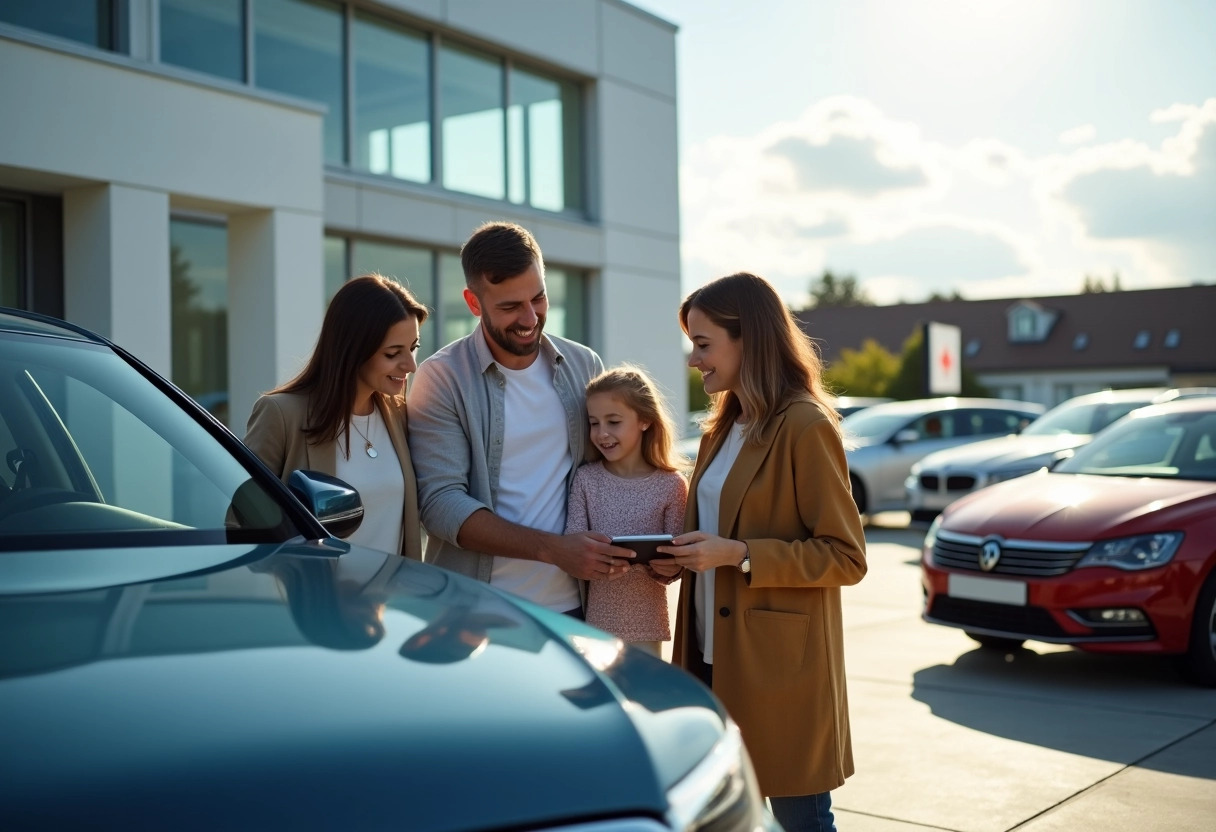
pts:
[204, 35]
[457, 320]
[544, 140]
[335, 265]
[84, 21]
[567, 303]
[408, 265]
[198, 274]
[473, 129]
[298, 48]
[392, 107]
[10, 255]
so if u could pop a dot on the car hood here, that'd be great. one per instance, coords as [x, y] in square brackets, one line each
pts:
[1002, 451]
[1079, 507]
[292, 680]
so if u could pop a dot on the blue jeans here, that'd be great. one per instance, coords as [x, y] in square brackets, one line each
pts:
[805, 813]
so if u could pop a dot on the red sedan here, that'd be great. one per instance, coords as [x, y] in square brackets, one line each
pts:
[1113, 550]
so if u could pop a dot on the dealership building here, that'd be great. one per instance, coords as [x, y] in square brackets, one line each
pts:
[194, 178]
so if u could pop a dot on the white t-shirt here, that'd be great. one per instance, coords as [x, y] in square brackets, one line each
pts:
[536, 461]
[709, 501]
[378, 481]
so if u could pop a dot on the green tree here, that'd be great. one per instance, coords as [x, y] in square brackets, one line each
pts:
[1092, 284]
[938, 296]
[864, 372]
[909, 381]
[698, 399]
[837, 290]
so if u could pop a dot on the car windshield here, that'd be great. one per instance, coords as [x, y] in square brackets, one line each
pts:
[95, 455]
[1080, 418]
[1167, 445]
[873, 423]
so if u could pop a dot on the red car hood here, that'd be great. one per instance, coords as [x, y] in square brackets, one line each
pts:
[1064, 507]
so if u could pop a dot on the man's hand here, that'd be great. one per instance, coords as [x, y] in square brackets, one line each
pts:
[588, 556]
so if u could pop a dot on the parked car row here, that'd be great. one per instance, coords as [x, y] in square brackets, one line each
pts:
[1113, 549]
[180, 633]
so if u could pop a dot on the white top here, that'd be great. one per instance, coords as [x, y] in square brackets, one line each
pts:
[536, 461]
[378, 481]
[709, 500]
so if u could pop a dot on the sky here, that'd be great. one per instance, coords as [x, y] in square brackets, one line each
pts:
[994, 148]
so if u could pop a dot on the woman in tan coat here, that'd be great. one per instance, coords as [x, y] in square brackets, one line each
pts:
[771, 534]
[344, 414]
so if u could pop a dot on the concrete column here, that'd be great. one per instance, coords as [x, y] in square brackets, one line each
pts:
[276, 299]
[116, 267]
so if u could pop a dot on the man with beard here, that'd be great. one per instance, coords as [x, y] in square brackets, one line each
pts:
[497, 426]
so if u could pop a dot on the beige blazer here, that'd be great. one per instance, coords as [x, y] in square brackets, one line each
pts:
[276, 434]
[778, 637]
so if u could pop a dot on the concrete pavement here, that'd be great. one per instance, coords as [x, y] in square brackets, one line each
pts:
[947, 736]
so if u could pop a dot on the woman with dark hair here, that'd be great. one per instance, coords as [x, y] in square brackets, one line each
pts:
[354, 383]
[771, 535]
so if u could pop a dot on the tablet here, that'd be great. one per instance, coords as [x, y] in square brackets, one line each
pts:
[644, 545]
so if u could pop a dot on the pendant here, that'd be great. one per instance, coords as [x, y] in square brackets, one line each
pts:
[371, 451]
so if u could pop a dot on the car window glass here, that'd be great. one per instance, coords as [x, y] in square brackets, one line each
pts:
[872, 423]
[93, 449]
[1169, 445]
[1081, 418]
[934, 425]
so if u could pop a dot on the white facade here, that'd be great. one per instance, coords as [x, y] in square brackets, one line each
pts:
[129, 143]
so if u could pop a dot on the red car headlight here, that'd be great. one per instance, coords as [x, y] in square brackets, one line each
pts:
[1143, 551]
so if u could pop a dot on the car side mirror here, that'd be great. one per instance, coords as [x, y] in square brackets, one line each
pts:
[905, 435]
[332, 501]
[1063, 455]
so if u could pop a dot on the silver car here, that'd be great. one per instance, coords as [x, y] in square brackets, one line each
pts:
[942, 477]
[888, 439]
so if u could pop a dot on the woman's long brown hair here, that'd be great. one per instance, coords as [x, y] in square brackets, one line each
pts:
[356, 323]
[780, 364]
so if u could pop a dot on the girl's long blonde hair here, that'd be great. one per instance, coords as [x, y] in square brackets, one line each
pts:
[637, 391]
[780, 363]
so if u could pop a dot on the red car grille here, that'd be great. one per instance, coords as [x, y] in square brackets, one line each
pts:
[1027, 558]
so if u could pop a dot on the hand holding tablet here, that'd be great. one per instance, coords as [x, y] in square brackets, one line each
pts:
[644, 545]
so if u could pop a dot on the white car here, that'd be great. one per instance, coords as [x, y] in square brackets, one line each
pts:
[942, 477]
[888, 439]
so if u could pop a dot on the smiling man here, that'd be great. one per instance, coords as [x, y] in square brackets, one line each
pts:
[497, 426]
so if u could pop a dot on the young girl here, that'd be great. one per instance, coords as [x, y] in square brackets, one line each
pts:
[633, 487]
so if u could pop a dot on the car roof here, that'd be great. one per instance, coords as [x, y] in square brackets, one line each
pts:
[951, 403]
[27, 323]
[1198, 404]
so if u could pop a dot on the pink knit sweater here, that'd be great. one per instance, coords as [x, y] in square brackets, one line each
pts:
[632, 607]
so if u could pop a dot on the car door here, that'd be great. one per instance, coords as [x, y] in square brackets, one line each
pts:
[907, 446]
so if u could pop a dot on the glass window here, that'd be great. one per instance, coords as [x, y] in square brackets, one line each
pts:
[543, 142]
[456, 319]
[204, 35]
[11, 234]
[408, 265]
[392, 107]
[85, 21]
[567, 303]
[298, 50]
[198, 274]
[335, 265]
[471, 89]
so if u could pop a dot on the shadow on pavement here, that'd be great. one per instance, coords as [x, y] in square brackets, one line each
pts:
[1082, 703]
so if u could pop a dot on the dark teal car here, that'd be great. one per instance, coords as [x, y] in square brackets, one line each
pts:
[184, 644]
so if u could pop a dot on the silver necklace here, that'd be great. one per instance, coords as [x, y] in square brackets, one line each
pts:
[367, 443]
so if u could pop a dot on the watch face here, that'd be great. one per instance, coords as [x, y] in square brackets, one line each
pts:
[746, 566]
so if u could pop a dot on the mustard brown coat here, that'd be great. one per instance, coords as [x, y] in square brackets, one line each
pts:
[778, 652]
[275, 433]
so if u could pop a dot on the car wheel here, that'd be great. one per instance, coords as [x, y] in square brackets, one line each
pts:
[924, 515]
[1199, 663]
[859, 493]
[995, 642]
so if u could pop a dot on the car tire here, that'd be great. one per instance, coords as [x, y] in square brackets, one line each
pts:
[924, 515]
[1199, 663]
[859, 493]
[995, 642]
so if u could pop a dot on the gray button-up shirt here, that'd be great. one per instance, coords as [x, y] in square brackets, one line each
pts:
[456, 421]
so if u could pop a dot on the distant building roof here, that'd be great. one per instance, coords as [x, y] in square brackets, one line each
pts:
[1175, 328]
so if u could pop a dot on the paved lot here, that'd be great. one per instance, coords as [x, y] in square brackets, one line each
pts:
[950, 737]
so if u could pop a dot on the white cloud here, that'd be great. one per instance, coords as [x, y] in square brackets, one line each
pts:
[1079, 135]
[847, 187]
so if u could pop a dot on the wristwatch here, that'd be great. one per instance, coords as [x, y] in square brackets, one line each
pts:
[746, 566]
